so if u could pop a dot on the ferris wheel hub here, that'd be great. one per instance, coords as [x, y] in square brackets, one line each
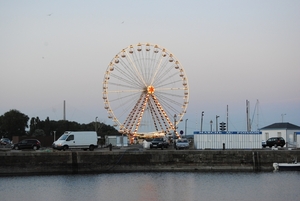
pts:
[150, 89]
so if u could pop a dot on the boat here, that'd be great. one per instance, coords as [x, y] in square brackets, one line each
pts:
[294, 165]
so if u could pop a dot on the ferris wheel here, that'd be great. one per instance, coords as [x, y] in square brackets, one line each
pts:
[145, 89]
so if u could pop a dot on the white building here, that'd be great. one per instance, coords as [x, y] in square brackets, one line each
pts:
[286, 130]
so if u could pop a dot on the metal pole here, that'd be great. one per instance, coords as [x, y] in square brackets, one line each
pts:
[217, 122]
[96, 126]
[227, 119]
[282, 117]
[211, 123]
[54, 136]
[185, 126]
[202, 120]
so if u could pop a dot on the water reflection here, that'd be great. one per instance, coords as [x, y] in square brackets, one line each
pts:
[153, 186]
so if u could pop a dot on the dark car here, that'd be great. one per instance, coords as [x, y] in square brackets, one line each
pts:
[5, 141]
[263, 144]
[28, 144]
[159, 143]
[275, 141]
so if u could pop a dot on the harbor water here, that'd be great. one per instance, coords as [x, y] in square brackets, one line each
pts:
[163, 186]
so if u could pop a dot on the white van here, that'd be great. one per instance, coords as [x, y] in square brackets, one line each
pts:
[77, 139]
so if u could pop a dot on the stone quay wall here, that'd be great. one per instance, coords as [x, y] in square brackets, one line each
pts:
[136, 160]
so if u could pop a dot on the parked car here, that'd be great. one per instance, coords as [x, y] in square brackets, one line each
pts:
[182, 144]
[28, 144]
[263, 144]
[159, 143]
[5, 141]
[275, 141]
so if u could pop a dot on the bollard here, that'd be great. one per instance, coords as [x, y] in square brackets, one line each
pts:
[110, 147]
[223, 146]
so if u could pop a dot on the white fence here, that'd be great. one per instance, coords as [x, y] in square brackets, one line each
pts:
[230, 139]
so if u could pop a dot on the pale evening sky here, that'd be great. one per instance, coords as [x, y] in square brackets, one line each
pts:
[231, 51]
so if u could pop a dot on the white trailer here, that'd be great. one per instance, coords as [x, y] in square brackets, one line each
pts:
[227, 139]
[77, 140]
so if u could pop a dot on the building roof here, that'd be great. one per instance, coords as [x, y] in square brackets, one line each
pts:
[283, 125]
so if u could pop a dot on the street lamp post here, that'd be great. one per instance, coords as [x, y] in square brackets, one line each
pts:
[96, 124]
[282, 117]
[54, 135]
[217, 122]
[185, 127]
[202, 120]
[211, 123]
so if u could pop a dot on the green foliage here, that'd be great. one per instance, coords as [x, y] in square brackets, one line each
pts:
[14, 123]
[38, 132]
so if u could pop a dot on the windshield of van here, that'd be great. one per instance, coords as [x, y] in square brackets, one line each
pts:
[63, 137]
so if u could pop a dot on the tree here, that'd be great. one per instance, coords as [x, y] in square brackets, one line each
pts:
[14, 123]
[39, 132]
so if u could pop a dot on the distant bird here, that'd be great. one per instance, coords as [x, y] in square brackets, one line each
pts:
[122, 22]
[50, 14]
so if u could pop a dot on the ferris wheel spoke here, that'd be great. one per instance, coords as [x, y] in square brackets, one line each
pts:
[170, 83]
[169, 105]
[170, 89]
[162, 71]
[125, 77]
[123, 88]
[157, 69]
[125, 97]
[135, 68]
[130, 71]
[166, 95]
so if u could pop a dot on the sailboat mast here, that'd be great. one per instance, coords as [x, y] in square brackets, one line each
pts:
[257, 119]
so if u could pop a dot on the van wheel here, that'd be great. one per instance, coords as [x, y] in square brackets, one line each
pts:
[91, 148]
[65, 148]
[34, 147]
